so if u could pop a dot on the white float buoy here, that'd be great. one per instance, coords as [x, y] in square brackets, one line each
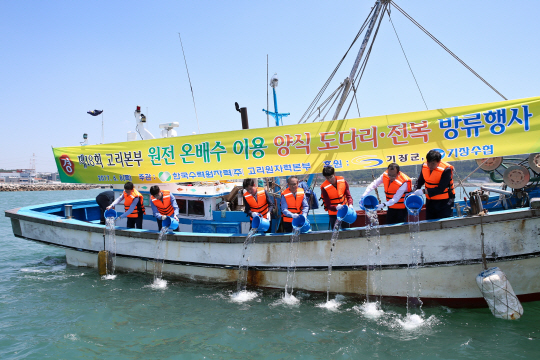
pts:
[499, 295]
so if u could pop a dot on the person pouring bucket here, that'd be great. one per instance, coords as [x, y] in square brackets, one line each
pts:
[335, 193]
[293, 204]
[163, 205]
[258, 202]
[133, 206]
[438, 178]
[397, 185]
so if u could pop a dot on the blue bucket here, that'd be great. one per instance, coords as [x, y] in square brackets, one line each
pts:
[369, 202]
[111, 213]
[302, 223]
[414, 203]
[347, 214]
[170, 222]
[260, 223]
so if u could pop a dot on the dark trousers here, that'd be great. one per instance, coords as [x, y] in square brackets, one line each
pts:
[287, 227]
[333, 218]
[135, 222]
[439, 209]
[396, 216]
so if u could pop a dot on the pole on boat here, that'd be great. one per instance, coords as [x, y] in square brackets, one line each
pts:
[350, 79]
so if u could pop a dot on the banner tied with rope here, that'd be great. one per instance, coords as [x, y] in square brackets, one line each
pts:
[460, 133]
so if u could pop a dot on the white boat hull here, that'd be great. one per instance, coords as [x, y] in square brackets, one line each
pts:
[450, 255]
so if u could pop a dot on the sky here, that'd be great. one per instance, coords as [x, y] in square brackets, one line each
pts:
[60, 59]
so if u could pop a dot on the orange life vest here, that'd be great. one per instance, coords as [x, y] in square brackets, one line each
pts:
[294, 204]
[164, 205]
[128, 199]
[391, 188]
[260, 204]
[433, 178]
[336, 195]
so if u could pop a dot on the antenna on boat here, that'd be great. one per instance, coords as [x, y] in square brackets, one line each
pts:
[277, 115]
[267, 102]
[191, 87]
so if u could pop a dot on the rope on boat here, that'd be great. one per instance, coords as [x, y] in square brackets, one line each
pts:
[446, 49]
[406, 59]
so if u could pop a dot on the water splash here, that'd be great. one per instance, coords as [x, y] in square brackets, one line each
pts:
[332, 305]
[243, 267]
[413, 283]
[370, 310]
[243, 296]
[108, 277]
[415, 322]
[335, 235]
[291, 269]
[110, 245]
[374, 258]
[158, 284]
[159, 258]
[287, 300]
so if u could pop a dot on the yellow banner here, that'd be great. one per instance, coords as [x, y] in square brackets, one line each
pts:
[460, 133]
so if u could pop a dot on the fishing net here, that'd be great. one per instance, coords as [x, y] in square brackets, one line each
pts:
[499, 295]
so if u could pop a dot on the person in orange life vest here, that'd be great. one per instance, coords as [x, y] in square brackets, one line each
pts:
[397, 185]
[257, 201]
[163, 204]
[133, 206]
[335, 193]
[438, 178]
[293, 203]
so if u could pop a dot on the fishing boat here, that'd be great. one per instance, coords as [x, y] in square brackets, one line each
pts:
[497, 226]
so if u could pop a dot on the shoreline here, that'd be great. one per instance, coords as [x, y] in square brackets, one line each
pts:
[49, 187]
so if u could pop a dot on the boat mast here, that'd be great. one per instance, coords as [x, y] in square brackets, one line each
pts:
[347, 81]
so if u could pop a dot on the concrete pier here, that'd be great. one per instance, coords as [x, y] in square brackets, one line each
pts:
[48, 187]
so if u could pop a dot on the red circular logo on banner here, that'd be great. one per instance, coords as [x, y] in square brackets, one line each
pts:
[67, 165]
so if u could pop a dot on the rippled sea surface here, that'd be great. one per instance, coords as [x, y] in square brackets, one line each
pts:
[52, 310]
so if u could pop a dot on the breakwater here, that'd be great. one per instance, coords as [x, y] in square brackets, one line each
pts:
[48, 187]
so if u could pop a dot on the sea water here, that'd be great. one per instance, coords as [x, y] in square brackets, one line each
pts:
[288, 296]
[374, 261]
[414, 303]
[242, 294]
[52, 310]
[159, 258]
[110, 246]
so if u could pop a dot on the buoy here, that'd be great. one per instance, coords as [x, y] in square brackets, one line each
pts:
[499, 295]
[105, 262]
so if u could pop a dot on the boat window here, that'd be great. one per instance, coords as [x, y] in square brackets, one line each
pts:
[196, 207]
[181, 206]
[146, 200]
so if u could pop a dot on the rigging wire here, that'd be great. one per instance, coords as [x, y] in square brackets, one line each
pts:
[364, 63]
[323, 89]
[410, 68]
[446, 49]
[191, 87]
